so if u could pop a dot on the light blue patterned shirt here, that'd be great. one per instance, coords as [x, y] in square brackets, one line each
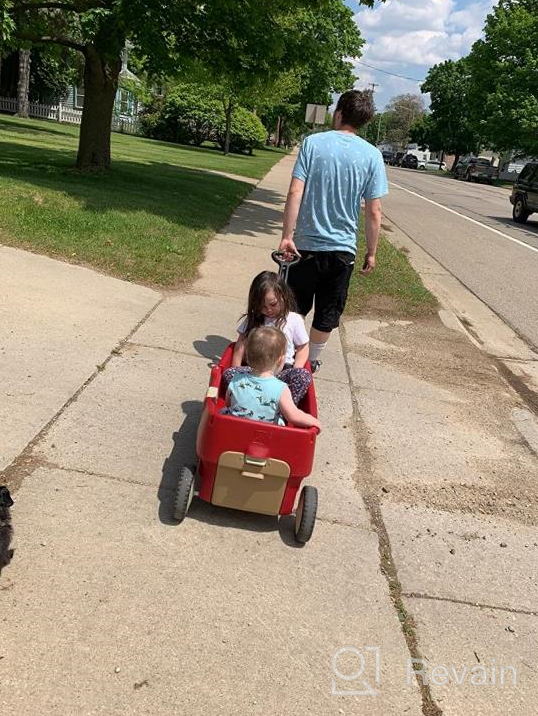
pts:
[256, 398]
[339, 170]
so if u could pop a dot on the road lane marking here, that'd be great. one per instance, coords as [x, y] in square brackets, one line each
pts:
[468, 218]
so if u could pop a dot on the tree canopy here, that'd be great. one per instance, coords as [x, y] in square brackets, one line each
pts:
[240, 43]
[504, 69]
[400, 114]
[449, 126]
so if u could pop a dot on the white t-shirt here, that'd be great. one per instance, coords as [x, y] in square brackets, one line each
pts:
[294, 330]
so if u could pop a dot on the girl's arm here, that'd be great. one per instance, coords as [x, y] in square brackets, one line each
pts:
[239, 352]
[301, 356]
[292, 414]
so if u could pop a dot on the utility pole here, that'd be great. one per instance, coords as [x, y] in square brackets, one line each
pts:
[373, 85]
[378, 129]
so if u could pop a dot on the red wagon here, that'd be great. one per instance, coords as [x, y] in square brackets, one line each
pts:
[251, 465]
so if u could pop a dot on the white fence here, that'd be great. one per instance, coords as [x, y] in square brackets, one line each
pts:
[62, 113]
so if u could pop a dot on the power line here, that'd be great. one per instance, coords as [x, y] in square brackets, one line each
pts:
[394, 74]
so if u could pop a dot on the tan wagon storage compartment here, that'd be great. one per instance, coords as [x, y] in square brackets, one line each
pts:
[250, 483]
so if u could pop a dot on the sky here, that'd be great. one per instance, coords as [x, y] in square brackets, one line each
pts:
[407, 37]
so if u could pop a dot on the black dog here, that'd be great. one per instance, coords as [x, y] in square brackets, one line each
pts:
[6, 530]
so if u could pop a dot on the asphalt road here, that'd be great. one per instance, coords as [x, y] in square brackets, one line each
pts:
[468, 228]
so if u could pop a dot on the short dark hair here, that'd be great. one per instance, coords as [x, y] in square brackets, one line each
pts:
[357, 107]
[266, 345]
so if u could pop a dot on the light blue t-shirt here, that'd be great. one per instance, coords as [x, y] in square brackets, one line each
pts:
[339, 170]
[256, 398]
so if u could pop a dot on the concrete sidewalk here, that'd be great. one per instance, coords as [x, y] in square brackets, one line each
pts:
[111, 608]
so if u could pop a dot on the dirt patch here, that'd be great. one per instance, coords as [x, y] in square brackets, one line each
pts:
[500, 473]
[384, 306]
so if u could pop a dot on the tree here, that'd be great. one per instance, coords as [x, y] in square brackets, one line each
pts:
[168, 33]
[450, 126]
[401, 113]
[239, 39]
[23, 85]
[321, 41]
[52, 71]
[7, 27]
[504, 71]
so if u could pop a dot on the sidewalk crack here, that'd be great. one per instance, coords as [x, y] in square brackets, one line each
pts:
[465, 602]
[25, 463]
[387, 566]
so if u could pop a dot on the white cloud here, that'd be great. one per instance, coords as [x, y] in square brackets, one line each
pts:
[409, 36]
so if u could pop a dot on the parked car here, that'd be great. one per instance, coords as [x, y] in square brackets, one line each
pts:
[387, 156]
[524, 197]
[409, 162]
[476, 169]
[397, 159]
[433, 166]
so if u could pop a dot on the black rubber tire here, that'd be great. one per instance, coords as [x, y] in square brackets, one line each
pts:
[305, 515]
[184, 493]
[468, 177]
[519, 213]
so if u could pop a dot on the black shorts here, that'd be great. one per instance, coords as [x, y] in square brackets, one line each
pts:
[321, 278]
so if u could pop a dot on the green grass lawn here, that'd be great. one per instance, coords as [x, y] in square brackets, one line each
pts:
[394, 288]
[147, 220]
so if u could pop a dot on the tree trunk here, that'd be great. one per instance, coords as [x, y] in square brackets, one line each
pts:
[24, 83]
[100, 86]
[228, 108]
[277, 132]
[456, 160]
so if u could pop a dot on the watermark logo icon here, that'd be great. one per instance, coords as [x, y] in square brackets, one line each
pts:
[355, 685]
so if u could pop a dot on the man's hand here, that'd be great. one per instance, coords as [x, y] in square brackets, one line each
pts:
[289, 249]
[368, 265]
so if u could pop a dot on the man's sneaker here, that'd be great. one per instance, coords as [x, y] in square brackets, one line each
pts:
[315, 365]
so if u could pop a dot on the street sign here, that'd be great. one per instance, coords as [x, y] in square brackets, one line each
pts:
[315, 113]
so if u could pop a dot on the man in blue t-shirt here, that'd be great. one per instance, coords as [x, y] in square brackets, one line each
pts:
[334, 172]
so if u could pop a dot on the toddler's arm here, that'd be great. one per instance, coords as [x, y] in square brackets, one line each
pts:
[292, 414]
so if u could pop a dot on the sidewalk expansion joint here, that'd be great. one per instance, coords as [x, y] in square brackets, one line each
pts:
[386, 562]
[331, 380]
[465, 602]
[102, 475]
[343, 523]
[25, 463]
[167, 350]
[239, 243]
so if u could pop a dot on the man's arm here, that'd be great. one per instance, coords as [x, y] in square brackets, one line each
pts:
[373, 215]
[291, 212]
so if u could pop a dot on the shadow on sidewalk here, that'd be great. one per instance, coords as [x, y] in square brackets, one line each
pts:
[184, 453]
[212, 347]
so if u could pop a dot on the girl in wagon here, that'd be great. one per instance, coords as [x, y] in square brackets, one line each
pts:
[271, 303]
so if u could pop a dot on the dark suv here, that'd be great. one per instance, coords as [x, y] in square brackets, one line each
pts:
[409, 162]
[524, 195]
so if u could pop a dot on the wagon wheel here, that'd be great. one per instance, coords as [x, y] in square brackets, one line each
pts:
[305, 515]
[184, 493]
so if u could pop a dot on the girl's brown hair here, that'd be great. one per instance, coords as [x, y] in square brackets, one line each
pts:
[263, 283]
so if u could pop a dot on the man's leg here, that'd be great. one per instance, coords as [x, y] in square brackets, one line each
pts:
[302, 280]
[318, 341]
[331, 296]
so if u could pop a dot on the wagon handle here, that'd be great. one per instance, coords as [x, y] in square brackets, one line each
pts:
[283, 264]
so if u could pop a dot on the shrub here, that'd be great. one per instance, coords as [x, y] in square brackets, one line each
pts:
[186, 116]
[247, 131]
